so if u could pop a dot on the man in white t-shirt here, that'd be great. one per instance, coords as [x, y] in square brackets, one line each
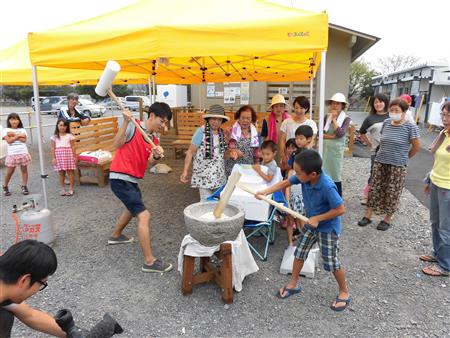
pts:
[24, 271]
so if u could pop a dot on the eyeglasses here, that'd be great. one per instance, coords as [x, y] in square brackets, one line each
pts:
[43, 285]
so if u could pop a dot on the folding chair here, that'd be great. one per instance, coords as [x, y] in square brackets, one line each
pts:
[265, 229]
[255, 229]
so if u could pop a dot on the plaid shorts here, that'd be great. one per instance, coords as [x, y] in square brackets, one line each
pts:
[329, 247]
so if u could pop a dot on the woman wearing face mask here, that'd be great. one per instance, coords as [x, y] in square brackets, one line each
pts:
[334, 140]
[370, 131]
[399, 142]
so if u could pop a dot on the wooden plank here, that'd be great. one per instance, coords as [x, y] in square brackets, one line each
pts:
[83, 136]
[95, 128]
[103, 146]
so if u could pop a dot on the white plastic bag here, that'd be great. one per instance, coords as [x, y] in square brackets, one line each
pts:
[308, 269]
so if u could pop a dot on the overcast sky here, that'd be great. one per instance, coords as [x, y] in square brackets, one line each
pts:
[419, 28]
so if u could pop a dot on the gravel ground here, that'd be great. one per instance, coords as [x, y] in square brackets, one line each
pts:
[390, 295]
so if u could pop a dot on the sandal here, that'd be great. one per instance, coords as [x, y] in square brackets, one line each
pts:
[25, 190]
[6, 191]
[339, 300]
[428, 258]
[383, 226]
[69, 193]
[288, 292]
[62, 192]
[435, 271]
[364, 222]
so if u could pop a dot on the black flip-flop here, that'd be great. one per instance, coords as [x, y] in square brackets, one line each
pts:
[339, 300]
[288, 292]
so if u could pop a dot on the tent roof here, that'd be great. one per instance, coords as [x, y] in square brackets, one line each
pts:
[15, 69]
[192, 41]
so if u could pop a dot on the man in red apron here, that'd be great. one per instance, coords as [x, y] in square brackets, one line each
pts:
[127, 168]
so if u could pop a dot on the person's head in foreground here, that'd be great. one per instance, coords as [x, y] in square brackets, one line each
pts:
[24, 270]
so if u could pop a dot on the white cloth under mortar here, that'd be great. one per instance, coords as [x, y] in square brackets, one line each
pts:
[243, 263]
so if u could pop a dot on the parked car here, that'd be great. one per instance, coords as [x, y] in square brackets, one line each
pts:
[111, 104]
[41, 98]
[87, 107]
[132, 102]
[47, 104]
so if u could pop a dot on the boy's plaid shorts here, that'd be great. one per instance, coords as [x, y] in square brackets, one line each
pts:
[329, 247]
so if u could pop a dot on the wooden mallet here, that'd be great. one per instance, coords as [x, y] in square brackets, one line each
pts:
[104, 87]
[227, 191]
[277, 205]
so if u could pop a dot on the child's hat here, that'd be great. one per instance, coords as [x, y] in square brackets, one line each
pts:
[216, 111]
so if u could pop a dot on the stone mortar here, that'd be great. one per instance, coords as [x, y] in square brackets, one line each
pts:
[216, 231]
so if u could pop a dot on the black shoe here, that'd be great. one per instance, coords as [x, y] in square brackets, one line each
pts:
[25, 190]
[364, 222]
[383, 226]
[6, 191]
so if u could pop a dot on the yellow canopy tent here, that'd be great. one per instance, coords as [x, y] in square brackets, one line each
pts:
[15, 69]
[192, 41]
[182, 42]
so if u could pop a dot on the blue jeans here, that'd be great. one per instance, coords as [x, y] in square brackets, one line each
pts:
[440, 224]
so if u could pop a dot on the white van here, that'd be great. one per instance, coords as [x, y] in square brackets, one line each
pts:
[132, 102]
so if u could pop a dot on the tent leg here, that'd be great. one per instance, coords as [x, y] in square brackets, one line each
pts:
[154, 89]
[39, 134]
[322, 100]
[150, 89]
[311, 81]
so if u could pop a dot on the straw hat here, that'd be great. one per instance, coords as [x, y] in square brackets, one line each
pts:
[338, 97]
[278, 98]
[216, 111]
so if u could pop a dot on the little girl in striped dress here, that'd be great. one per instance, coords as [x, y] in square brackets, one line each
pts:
[63, 154]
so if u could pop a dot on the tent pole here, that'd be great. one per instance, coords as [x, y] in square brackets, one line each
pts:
[150, 89]
[154, 89]
[200, 105]
[37, 111]
[311, 81]
[322, 100]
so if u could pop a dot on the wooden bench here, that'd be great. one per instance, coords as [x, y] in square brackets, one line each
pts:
[99, 134]
[178, 139]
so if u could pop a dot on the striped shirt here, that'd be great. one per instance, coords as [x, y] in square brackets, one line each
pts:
[395, 143]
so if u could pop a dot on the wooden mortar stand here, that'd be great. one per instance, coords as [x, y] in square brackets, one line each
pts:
[222, 276]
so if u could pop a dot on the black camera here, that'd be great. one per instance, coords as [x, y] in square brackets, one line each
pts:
[105, 328]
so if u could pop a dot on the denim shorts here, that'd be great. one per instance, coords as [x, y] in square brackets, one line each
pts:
[130, 195]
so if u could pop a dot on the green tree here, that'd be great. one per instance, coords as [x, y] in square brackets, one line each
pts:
[360, 81]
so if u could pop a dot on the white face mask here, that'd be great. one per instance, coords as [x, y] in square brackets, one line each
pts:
[395, 117]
